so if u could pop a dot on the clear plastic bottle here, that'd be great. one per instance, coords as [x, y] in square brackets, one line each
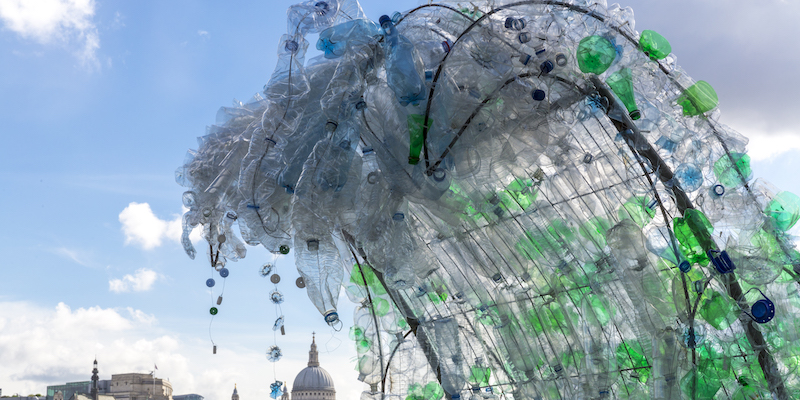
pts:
[451, 362]
[403, 66]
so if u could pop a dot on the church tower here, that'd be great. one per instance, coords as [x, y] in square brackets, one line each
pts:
[285, 393]
[95, 378]
[235, 395]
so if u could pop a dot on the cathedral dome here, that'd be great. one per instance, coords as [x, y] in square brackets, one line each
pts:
[313, 382]
[313, 378]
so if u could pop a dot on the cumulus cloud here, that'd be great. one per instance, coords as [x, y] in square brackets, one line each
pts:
[143, 228]
[47, 21]
[47, 346]
[141, 281]
[765, 147]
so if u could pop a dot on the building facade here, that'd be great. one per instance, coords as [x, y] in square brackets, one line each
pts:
[191, 396]
[132, 386]
[139, 387]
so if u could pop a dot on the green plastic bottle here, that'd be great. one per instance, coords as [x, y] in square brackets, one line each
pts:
[693, 232]
[415, 122]
[698, 99]
[479, 375]
[654, 45]
[595, 54]
[695, 385]
[638, 209]
[784, 209]
[725, 172]
[631, 358]
[718, 310]
[375, 286]
[621, 82]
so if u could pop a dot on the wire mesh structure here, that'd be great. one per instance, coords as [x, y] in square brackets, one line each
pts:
[528, 200]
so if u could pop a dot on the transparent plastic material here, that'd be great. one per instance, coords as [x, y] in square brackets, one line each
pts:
[526, 200]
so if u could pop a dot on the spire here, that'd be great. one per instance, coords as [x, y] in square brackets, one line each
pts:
[95, 378]
[313, 355]
[235, 395]
[285, 393]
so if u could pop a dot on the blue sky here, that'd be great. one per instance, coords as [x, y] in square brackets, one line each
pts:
[99, 102]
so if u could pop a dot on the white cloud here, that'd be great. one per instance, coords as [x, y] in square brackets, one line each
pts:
[202, 33]
[765, 147]
[48, 346]
[141, 281]
[143, 228]
[46, 21]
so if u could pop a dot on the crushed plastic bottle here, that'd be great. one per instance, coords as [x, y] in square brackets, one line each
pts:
[468, 174]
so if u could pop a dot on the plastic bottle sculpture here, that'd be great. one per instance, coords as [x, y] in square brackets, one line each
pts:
[529, 200]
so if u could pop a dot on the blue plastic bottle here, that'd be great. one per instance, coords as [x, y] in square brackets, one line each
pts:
[403, 77]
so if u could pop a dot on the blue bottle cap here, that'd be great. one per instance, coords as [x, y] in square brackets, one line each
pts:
[763, 310]
[383, 19]
[546, 67]
[719, 190]
[331, 317]
[398, 216]
[210, 282]
[224, 272]
[722, 262]
[684, 266]
[509, 22]
[538, 94]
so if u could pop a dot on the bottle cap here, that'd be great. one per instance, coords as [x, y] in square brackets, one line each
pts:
[763, 310]
[718, 190]
[210, 282]
[384, 19]
[546, 67]
[331, 317]
[684, 266]
[224, 272]
[538, 94]
[213, 311]
[722, 262]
